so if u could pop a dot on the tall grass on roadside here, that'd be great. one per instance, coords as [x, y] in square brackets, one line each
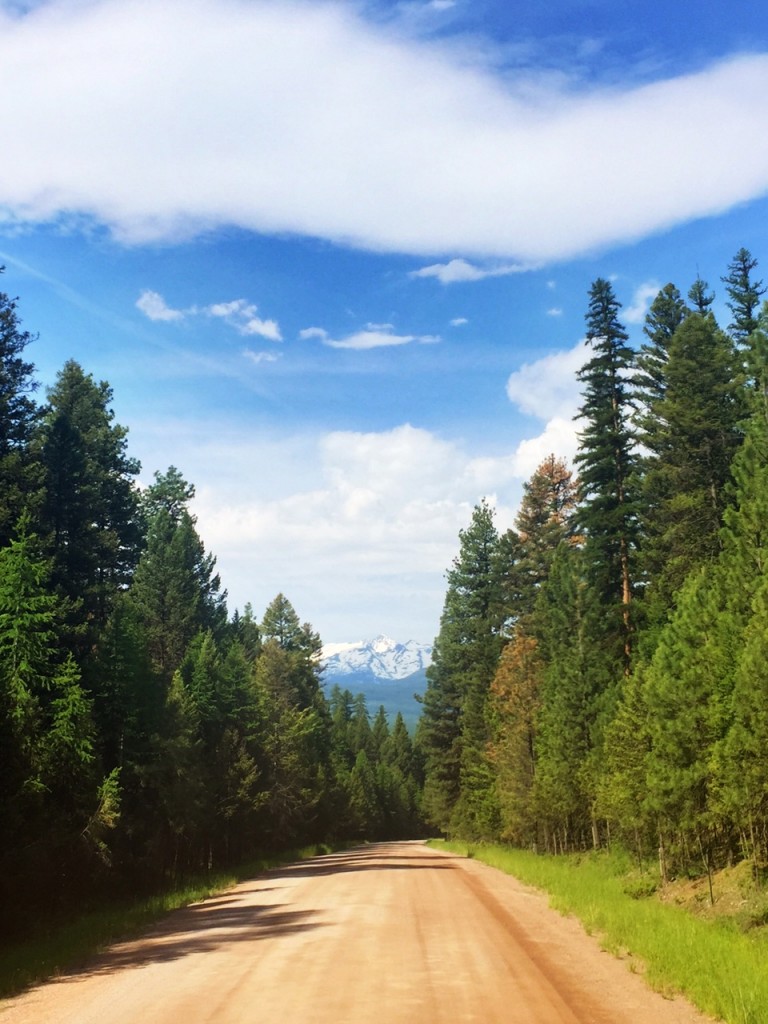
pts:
[56, 947]
[716, 966]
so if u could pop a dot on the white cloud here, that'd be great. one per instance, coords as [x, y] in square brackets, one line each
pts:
[357, 529]
[460, 271]
[459, 321]
[241, 314]
[373, 336]
[555, 311]
[559, 437]
[313, 332]
[260, 357]
[643, 296]
[306, 118]
[153, 306]
[230, 309]
[548, 388]
[264, 328]
[238, 314]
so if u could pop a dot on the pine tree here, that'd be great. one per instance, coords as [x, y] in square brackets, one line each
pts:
[459, 786]
[49, 781]
[687, 697]
[607, 464]
[667, 312]
[744, 295]
[577, 699]
[515, 707]
[544, 520]
[281, 626]
[695, 434]
[90, 510]
[176, 591]
[700, 298]
[622, 786]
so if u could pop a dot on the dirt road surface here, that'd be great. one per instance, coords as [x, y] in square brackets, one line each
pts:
[394, 933]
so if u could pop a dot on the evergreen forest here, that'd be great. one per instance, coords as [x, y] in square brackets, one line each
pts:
[600, 670]
[147, 735]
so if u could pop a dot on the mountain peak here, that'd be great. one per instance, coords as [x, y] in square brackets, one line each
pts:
[382, 658]
[382, 643]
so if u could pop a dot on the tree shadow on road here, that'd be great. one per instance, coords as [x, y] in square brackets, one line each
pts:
[376, 857]
[201, 928]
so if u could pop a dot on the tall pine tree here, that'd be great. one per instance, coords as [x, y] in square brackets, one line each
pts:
[607, 464]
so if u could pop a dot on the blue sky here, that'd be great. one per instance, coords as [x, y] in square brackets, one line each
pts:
[333, 258]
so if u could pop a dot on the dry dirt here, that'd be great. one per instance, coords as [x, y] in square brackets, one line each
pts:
[394, 932]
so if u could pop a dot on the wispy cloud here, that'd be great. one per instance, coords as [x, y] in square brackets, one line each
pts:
[242, 315]
[373, 336]
[555, 311]
[260, 357]
[313, 332]
[239, 314]
[459, 321]
[642, 298]
[441, 155]
[457, 271]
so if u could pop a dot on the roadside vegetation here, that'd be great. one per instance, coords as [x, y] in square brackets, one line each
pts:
[714, 955]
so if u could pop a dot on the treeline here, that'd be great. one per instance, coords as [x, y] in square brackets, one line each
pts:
[601, 670]
[144, 733]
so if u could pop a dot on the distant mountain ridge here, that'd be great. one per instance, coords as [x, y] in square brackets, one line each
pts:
[381, 659]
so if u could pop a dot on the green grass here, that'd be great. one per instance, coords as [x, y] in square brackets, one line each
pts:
[57, 947]
[711, 962]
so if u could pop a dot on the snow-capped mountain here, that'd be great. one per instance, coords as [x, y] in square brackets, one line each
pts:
[382, 658]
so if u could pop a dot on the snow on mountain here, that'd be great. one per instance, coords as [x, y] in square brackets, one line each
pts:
[381, 657]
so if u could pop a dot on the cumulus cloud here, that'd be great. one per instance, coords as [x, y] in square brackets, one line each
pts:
[413, 148]
[559, 437]
[461, 270]
[548, 388]
[153, 306]
[549, 391]
[373, 336]
[357, 529]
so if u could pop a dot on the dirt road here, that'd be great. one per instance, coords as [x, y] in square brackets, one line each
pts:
[389, 933]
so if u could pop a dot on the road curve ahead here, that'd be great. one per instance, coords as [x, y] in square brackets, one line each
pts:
[390, 933]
